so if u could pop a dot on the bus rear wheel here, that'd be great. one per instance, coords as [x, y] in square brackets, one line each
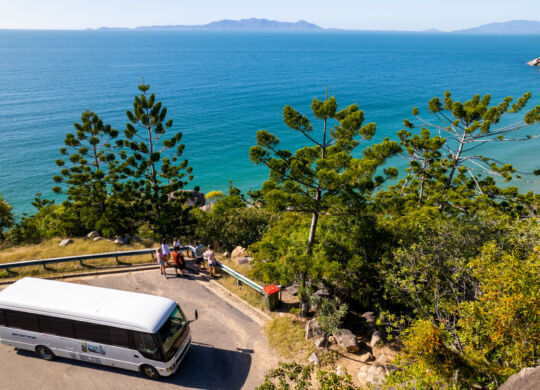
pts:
[150, 372]
[44, 352]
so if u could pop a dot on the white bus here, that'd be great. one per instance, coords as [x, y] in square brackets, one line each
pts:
[138, 332]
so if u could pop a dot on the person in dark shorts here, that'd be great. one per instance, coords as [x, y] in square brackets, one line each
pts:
[211, 257]
[199, 256]
[179, 261]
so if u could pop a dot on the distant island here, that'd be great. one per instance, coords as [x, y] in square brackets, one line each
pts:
[252, 24]
[513, 27]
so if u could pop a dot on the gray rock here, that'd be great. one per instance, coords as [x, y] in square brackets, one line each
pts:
[313, 358]
[136, 239]
[206, 207]
[238, 252]
[376, 338]
[313, 329]
[366, 357]
[119, 241]
[369, 316]
[65, 242]
[93, 234]
[241, 260]
[225, 254]
[347, 340]
[98, 238]
[340, 371]
[535, 62]
[527, 378]
[332, 340]
[319, 342]
[382, 359]
[322, 293]
[293, 289]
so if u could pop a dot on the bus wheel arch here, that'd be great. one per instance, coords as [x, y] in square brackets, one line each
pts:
[149, 371]
[44, 352]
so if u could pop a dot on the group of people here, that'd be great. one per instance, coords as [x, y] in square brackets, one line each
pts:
[164, 255]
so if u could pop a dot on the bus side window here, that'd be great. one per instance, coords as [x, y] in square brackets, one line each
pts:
[2, 318]
[20, 320]
[119, 337]
[57, 326]
[91, 332]
[146, 345]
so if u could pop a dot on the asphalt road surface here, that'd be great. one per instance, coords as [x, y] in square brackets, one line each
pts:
[229, 350]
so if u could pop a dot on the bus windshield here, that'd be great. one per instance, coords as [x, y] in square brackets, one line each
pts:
[169, 333]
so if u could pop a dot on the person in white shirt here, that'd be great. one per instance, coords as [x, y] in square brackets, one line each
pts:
[176, 243]
[211, 258]
[165, 249]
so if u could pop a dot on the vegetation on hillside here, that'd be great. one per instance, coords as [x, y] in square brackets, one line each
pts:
[447, 253]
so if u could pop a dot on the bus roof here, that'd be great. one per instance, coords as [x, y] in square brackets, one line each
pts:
[124, 309]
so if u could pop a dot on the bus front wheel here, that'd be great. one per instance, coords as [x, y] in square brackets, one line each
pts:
[150, 372]
[44, 352]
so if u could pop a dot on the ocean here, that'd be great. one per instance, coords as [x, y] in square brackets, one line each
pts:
[221, 87]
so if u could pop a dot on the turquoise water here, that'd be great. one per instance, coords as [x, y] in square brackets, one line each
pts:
[220, 88]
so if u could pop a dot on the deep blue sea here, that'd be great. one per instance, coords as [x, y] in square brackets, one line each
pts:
[220, 88]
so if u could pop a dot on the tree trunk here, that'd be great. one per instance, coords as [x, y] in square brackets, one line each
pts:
[455, 162]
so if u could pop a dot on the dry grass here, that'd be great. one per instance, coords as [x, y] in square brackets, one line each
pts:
[245, 292]
[80, 246]
[286, 335]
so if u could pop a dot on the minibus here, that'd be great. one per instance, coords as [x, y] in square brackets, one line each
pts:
[134, 331]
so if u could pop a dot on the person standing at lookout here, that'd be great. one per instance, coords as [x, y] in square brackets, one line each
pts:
[162, 261]
[179, 262]
[211, 257]
[199, 255]
[165, 249]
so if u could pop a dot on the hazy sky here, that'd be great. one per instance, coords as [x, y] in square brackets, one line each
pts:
[348, 14]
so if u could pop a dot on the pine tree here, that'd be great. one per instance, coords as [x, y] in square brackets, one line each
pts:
[158, 179]
[321, 178]
[92, 173]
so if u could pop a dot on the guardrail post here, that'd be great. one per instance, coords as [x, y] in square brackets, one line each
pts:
[81, 263]
[117, 261]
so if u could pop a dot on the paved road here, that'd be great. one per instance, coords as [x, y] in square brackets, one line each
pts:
[229, 350]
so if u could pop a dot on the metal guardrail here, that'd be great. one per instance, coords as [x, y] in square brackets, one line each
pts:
[79, 258]
[116, 255]
[241, 278]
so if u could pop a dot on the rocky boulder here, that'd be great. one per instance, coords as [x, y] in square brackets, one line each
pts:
[98, 238]
[119, 241]
[320, 342]
[65, 242]
[293, 288]
[243, 260]
[93, 234]
[527, 378]
[313, 358]
[313, 329]
[347, 340]
[136, 239]
[366, 357]
[371, 374]
[238, 252]
[535, 62]
[376, 338]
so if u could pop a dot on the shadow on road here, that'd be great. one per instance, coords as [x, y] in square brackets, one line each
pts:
[204, 367]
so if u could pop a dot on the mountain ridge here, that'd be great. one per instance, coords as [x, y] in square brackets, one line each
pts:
[512, 27]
